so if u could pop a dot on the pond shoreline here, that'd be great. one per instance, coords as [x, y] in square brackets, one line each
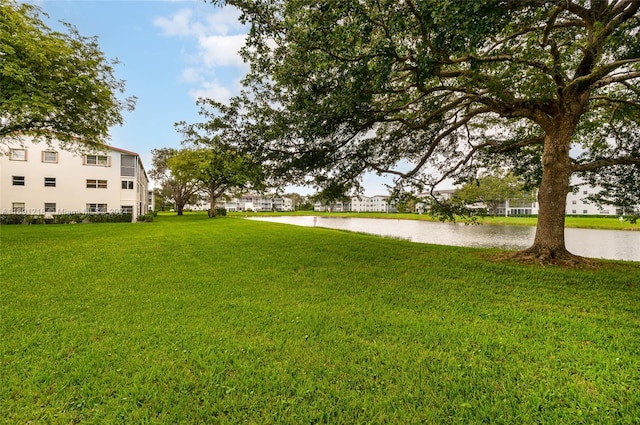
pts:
[571, 222]
[593, 243]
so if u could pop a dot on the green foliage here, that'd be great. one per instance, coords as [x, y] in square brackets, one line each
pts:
[220, 212]
[620, 187]
[148, 217]
[13, 218]
[64, 218]
[189, 320]
[494, 189]
[176, 186]
[216, 168]
[430, 90]
[55, 85]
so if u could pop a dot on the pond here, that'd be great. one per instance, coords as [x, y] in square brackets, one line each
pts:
[609, 244]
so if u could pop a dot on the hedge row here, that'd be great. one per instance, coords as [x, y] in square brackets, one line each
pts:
[64, 218]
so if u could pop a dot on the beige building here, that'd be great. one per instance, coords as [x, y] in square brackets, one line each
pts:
[36, 178]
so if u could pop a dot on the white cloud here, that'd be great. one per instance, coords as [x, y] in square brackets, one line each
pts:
[225, 21]
[212, 90]
[217, 38]
[219, 50]
[191, 75]
[179, 24]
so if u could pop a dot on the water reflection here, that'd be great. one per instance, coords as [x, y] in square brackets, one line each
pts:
[610, 244]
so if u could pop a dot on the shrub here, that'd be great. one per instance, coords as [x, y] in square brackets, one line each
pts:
[12, 218]
[148, 217]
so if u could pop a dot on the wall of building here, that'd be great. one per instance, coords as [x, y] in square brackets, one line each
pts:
[71, 182]
[378, 203]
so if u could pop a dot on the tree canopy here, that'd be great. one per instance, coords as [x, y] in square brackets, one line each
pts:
[180, 188]
[215, 166]
[427, 90]
[55, 85]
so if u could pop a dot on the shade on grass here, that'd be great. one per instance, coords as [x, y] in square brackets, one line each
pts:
[191, 320]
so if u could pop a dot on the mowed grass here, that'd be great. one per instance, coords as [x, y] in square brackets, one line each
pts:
[583, 222]
[196, 321]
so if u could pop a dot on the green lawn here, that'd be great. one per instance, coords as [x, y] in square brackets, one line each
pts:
[588, 222]
[189, 320]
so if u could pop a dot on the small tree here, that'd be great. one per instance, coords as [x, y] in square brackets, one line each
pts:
[181, 188]
[216, 171]
[54, 85]
[493, 190]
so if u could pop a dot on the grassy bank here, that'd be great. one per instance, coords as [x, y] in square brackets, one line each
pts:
[190, 320]
[604, 222]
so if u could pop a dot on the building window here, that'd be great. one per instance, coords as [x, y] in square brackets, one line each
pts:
[128, 165]
[127, 184]
[17, 207]
[96, 208]
[49, 182]
[96, 184]
[102, 160]
[126, 209]
[49, 156]
[585, 211]
[18, 155]
[573, 211]
[584, 192]
[574, 202]
[17, 180]
[49, 207]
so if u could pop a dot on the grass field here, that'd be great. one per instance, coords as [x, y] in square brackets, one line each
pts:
[195, 321]
[588, 222]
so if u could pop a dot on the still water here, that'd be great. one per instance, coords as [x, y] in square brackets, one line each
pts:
[610, 244]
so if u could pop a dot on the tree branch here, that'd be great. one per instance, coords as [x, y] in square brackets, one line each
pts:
[594, 165]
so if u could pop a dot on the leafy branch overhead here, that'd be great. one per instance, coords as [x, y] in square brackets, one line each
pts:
[53, 84]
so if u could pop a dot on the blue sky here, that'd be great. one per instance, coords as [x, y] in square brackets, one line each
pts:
[171, 53]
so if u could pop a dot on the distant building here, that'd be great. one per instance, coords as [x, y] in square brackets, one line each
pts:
[377, 203]
[36, 178]
[578, 204]
[249, 202]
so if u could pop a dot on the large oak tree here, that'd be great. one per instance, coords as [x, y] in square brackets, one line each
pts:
[55, 85]
[338, 88]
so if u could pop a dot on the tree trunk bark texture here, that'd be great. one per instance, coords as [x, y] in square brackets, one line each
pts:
[549, 244]
[212, 206]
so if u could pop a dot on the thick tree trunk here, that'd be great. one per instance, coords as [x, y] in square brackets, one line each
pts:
[212, 206]
[180, 209]
[549, 244]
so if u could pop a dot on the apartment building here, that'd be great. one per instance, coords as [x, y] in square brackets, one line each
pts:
[36, 178]
[377, 203]
[247, 202]
[579, 204]
[256, 202]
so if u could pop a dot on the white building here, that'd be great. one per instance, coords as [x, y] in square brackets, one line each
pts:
[578, 204]
[257, 203]
[377, 203]
[248, 202]
[36, 178]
